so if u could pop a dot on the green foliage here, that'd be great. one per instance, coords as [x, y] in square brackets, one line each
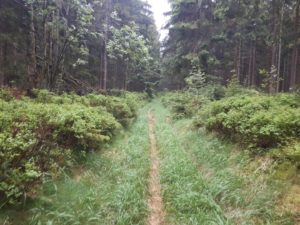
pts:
[38, 136]
[196, 79]
[99, 190]
[234, 88]
[205, 181]
[226, 36]
[123, 106]
[131, 48]
[259, 120]
[184, 104]
[5, 95]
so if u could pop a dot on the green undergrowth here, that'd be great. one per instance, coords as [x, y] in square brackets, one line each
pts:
[208, 181]
[265, 124]
[41, 135]
[108, 187]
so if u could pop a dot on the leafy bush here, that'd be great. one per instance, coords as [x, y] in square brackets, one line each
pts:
[123, 107]
[184, 104]
[40, 135]
[259, 120]
[6, 95]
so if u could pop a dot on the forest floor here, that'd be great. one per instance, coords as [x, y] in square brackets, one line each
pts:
[161, 172]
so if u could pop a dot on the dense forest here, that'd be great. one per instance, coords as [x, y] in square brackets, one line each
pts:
[257, 41]
[92, 45]
[104, 121]
[78, 45]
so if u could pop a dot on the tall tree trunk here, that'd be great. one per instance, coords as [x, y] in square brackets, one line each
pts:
[105, 61]
[101, 72]
[238, 68]
[45, 46]
[50, 61]
[32, 68]
[253, 71]
[280, 50]
[1, 66]
[250, 66]
[125, 76]
[294, 64]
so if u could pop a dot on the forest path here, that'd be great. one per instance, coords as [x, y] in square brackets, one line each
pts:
[108, 187]
[156, 206]
[159, 171]
[205, 180]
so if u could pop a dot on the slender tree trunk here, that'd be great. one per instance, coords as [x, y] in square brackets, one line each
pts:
[253, 72]
[251, 80]
[295, 48]
[101, 66]
[125, 76]
[238, 69]
[45, 46]
[32, 68]
[1, 66]
[104, 83]
[107, 23]
[249, 67]
[280, 50]
[284, 75]
[50, 64]
[59, 55]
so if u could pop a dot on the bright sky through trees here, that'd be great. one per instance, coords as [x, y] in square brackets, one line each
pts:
[159, 7]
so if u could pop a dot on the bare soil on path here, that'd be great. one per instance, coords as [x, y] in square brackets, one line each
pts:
[155, 200]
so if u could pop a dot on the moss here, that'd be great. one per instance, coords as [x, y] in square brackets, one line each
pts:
[285, 171]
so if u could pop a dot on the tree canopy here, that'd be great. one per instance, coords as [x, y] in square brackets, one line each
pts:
[64, 45]
[258, 41]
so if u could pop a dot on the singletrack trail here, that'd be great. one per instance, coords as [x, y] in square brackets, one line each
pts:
[160, 171]
[156, 207]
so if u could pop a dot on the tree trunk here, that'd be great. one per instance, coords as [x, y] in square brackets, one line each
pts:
[251, 80]
[249, 67]
[50, 61]
[107, 23]
[1, 66]
[280, 50]
[253, 72]
[125, 76]
[101, 67]
[45, 46]
[238, 69]
[32, 68]
[294, 66]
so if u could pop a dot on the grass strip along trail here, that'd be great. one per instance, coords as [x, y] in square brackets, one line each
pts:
[159, 172]
[110, 188]
[206, 181]
[156, 207]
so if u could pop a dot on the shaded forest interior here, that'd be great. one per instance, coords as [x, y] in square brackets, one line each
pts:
[222, 91]
[87, 45]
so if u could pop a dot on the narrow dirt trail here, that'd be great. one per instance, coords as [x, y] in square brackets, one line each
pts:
[155, 202]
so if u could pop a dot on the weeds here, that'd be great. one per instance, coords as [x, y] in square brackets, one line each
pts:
[110, 189]
[207, 181]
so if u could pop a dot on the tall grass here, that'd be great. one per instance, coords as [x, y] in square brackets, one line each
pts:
[110, 188]
[187, 197]
[207, 181]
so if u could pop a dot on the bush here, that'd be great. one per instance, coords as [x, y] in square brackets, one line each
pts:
[39, 136]
[259, 120]
[123, 107]
[184, 104]
[6, 94]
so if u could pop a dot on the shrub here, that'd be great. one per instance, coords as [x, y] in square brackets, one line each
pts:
[123, 107]
[6, 95]
[184, 104]
[39, 136]
[259, 120]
